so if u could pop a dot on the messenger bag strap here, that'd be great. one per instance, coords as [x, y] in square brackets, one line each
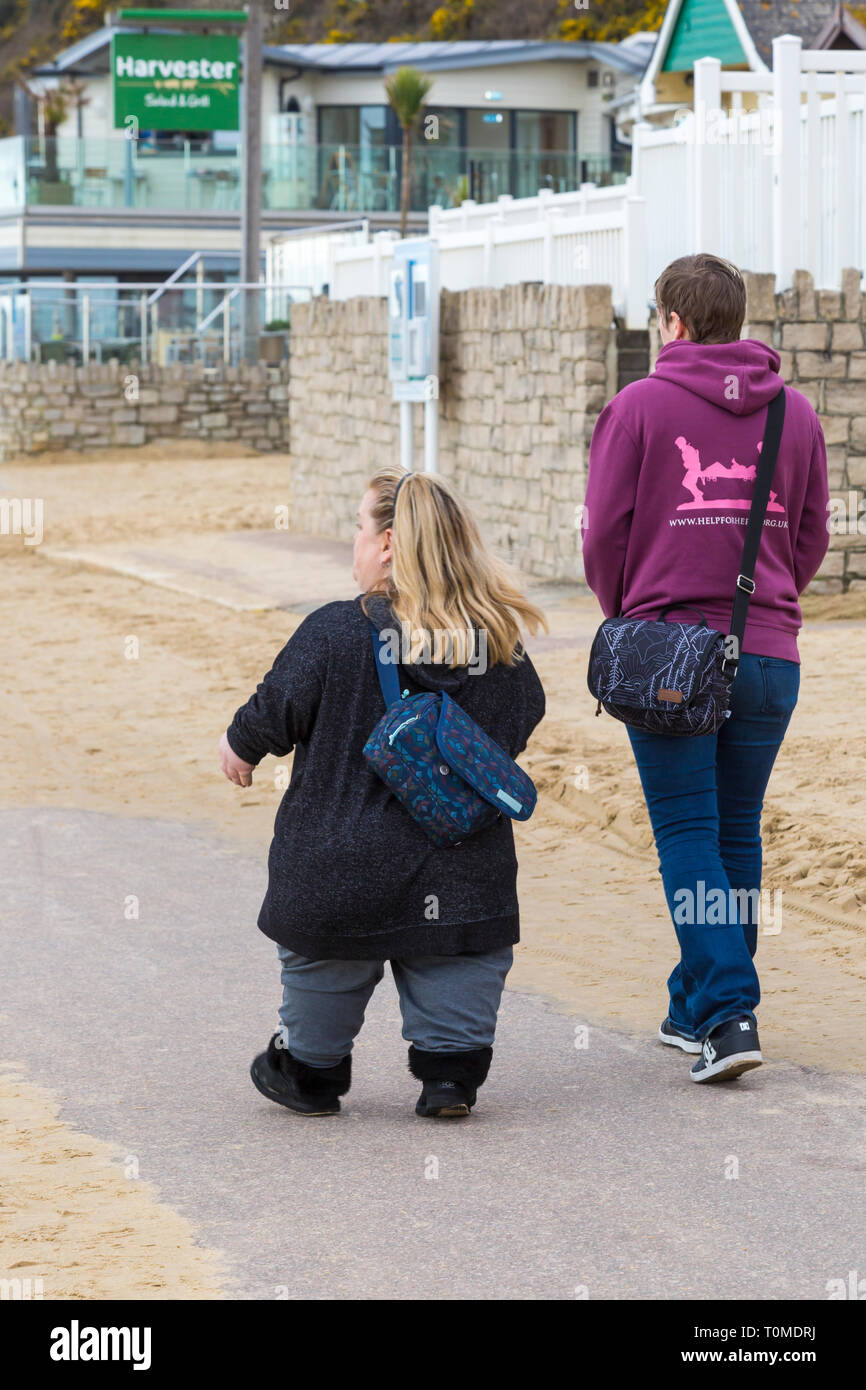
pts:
[389, 676]
[755, 525]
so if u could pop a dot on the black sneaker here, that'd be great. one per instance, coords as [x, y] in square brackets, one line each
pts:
[728, 1051]
[669, 1033]
[281, 1077]
[444, 1100]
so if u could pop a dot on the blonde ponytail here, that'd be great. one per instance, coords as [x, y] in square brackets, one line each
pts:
[443, 578]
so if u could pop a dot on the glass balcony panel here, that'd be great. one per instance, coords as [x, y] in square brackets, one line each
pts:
[296, 177]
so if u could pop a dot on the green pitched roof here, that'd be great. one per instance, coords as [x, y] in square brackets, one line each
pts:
[703, 30]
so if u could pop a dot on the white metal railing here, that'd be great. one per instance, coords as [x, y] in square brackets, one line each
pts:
[153, 340]
[302, 257]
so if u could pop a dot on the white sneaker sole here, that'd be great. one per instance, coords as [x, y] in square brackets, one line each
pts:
[729, 1067]
[684, 1044]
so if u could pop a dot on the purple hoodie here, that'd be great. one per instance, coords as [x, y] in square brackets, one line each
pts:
[671, 470]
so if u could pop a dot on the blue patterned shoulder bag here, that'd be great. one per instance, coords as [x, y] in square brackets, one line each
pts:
[676, 678]
[448, 773]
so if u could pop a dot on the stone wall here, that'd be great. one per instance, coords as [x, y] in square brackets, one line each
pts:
[524, 372]
[819, 335]
[103, 405]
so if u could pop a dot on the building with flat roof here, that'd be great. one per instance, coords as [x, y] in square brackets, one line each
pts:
[92, 222]
[502, 117]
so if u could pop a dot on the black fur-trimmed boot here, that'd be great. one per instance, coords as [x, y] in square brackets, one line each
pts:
[451, 1080]
[306, 1090]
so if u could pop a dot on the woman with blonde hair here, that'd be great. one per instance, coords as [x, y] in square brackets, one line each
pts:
[354, 880]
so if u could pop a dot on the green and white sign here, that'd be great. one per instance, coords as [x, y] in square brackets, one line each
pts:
[176, 81]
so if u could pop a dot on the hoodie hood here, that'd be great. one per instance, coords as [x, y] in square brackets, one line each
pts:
[740, 377]
[427, 674]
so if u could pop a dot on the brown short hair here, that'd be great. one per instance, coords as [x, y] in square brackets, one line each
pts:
[707, 293]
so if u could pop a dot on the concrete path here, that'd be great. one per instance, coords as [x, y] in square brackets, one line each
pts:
[600, 1169]
[252, 571]
[247, 571]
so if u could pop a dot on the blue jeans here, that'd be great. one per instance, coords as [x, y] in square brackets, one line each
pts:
[448, 1003]
[704, 797]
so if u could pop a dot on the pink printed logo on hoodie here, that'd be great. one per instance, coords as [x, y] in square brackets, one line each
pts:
[698, 481]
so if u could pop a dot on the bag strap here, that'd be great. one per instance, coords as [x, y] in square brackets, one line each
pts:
[389, 677]
[755, 524]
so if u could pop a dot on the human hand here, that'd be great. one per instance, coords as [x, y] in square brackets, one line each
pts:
[235, 769]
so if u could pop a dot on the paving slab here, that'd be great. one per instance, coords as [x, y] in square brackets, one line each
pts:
[248, 571]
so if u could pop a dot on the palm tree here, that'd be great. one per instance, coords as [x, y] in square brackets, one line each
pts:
[407, 92]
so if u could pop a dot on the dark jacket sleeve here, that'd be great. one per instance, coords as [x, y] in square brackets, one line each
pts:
[283, 709]
[813, 535]
[525, 708]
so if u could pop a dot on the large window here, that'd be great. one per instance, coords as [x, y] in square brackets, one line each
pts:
[357, 158]
[479, 153]
[339, 125]
[362, 126]
[439, 169]
[447, 127]
[545, 151]
[372, 127]
[540, 131]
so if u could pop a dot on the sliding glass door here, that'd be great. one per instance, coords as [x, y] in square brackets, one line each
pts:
[545, 151]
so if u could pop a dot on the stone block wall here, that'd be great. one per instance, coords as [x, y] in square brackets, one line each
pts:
[524, 372]
[104, 405]
[819, 335]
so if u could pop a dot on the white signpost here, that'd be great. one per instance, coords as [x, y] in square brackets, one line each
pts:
[413, 343]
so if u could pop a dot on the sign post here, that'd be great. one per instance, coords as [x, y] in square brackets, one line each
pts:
[192, 82]
[251, 184]
[413, 343]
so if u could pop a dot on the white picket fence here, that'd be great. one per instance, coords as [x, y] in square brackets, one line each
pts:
[775, 187]
[558, 247]
[586, 200]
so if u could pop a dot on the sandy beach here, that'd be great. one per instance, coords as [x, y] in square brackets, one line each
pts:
[73, 1207]
[88, 727]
